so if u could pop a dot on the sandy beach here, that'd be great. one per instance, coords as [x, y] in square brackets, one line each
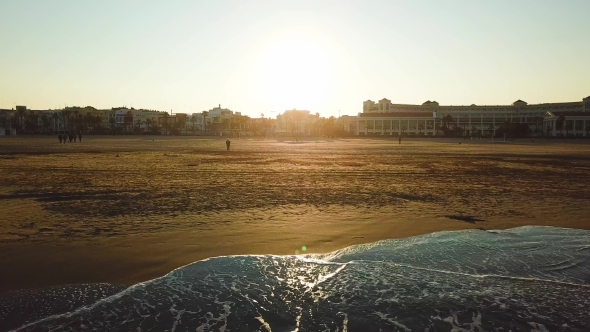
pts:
[127, 209]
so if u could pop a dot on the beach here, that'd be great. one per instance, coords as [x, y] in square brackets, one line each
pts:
[127, 209]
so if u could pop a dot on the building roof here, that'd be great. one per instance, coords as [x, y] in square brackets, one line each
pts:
[398, 115]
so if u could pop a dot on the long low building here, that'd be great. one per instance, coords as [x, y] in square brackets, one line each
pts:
[386, 118]
[567, 124]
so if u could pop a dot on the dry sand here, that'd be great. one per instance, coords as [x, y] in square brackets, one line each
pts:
[128, 209]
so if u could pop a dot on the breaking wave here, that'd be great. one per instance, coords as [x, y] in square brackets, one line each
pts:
[523, 279]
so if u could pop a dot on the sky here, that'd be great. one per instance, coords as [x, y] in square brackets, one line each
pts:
[265, 57]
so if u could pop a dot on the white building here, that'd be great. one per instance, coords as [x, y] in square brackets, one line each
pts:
[218, 118]
[378, 118]
[567, 124]
[398, 123]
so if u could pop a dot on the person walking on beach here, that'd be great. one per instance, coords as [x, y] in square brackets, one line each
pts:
[227, 143]
[80, 137]
[70, 138]
[400, 140]
[59, 136]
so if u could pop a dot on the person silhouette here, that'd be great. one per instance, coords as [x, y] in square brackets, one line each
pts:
[59, 136]
[227, 143]
[80, 137]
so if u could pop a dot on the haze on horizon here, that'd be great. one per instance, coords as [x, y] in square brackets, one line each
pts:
[268, 56]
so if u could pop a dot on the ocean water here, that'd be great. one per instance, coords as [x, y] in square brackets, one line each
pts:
[523, 279]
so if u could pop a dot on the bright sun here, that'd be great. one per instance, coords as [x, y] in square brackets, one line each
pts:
[294, 71]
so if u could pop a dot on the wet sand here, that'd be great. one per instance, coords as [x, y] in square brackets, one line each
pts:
[127, 209]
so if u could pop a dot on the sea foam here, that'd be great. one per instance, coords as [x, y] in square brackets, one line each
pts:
[523, 279]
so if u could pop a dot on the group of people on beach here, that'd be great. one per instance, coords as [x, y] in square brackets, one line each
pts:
[64, 138]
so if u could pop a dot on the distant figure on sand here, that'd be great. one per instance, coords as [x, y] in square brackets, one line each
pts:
[70, 138]
[59, 136]
[400, 140]
[74, 135]
[80, 138]
[227, 143]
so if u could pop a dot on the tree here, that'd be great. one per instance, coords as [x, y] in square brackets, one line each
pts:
[4, 121]
[147, 123]
[446, 120]
[181, 122]
[128, 120]
[491, 129]
[138, 125]
[88, 121]
[193, 120]
[45, 121]
[80, 121]
[331, 124]
[95, 122]
[165, 122]
[514, 129]
[75, 116]
[112, 124]
[55, 117]
[66, 119]
[204, 114]
[457, 131]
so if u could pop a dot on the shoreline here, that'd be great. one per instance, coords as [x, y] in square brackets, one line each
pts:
[123, 211]
[137, 259]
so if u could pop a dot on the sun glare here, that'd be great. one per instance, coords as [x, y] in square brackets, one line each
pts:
[294, 71]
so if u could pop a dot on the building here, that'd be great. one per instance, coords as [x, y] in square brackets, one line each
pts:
[7, 122]
[298, 122]
[386, 118]
[218, 119]
[567, 124]
[397, 123]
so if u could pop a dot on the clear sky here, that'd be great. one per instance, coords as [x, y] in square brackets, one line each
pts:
[268, 56]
